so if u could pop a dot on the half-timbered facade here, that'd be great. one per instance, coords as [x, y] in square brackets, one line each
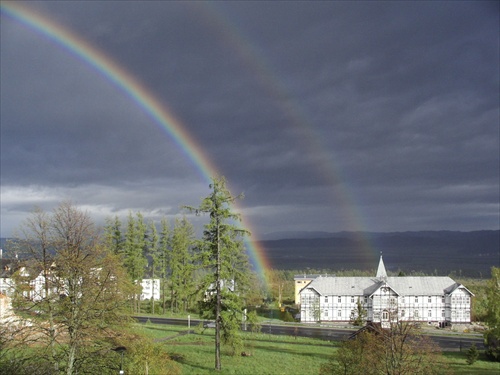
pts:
[432, 299]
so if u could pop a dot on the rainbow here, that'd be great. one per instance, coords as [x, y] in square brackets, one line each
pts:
[222, 22]
[139, 94]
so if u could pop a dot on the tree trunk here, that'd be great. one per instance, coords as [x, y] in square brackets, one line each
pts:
[218, 304]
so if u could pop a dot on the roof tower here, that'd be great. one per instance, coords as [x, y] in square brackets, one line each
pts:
[381, 272]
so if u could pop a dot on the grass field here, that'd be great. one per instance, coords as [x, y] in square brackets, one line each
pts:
[268, 354]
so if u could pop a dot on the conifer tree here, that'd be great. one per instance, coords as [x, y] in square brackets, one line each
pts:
[164, 259]
[472, 355]
[181, 263]
[135, 261]
[221, 252]
[154, 253]
[113, 235]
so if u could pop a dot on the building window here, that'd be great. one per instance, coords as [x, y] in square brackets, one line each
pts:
[415, 314]
[340, 299]
[416, 299]
[429, 299]
[442, 313]
[326, 299]
[326, 313]
[339, 313]
[385, 315]
[352, 299]
[366, 299]
[442, 299]
[403, 299]
[402, 313]
[429, 314]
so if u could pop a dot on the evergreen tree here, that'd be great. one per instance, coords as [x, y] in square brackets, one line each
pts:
[472, 354]
[154, 253]
[181, 264]
[220, 252]
[113, 235]
[135, 261]
[164, 259]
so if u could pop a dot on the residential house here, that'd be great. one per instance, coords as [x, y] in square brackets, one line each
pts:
[150, 289]
[7, 269]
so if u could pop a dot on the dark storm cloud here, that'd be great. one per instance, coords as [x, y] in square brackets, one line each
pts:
[319, 112]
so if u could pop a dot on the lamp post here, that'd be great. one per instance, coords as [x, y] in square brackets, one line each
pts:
[121, 350]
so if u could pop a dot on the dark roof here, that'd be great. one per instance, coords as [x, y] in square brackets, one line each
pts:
[8, 267]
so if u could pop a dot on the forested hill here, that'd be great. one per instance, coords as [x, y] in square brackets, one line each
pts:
[433, 252]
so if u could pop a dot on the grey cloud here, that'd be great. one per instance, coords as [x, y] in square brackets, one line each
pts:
[299, 104]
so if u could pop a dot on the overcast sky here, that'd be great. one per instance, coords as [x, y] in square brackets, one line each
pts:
[328, 116]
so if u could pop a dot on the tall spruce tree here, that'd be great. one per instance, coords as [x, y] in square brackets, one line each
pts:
[164, 259]
[154, 254]
[135, 261]
[113, 235]
[181, 264]
[220, 252]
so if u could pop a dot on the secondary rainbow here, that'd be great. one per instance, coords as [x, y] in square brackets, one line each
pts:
[222, 22]
[138, 93]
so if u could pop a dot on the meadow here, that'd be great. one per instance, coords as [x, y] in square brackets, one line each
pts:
[267, 354]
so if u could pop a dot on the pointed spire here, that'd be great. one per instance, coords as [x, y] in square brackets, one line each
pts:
[381, 272]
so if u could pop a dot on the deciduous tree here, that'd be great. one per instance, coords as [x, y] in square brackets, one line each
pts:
[492, 336]
[398, 350]
[84, 288]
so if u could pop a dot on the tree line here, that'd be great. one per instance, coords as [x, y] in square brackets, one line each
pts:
[89, 282]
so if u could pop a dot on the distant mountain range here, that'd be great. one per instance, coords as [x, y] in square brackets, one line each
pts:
[442, 253]
[433, 252]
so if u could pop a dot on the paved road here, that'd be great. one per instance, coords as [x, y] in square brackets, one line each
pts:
[447, 342]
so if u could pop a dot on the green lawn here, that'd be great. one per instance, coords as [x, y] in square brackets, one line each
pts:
[456, 361]
[269, 354]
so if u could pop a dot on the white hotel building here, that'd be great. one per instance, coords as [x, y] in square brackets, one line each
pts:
[430, 299]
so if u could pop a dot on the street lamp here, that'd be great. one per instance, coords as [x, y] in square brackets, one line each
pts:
[121, 350]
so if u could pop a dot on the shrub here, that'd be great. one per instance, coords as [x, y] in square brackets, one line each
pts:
[472, 355]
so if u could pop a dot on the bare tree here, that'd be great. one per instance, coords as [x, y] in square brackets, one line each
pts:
[84, 287]
[400, 349]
